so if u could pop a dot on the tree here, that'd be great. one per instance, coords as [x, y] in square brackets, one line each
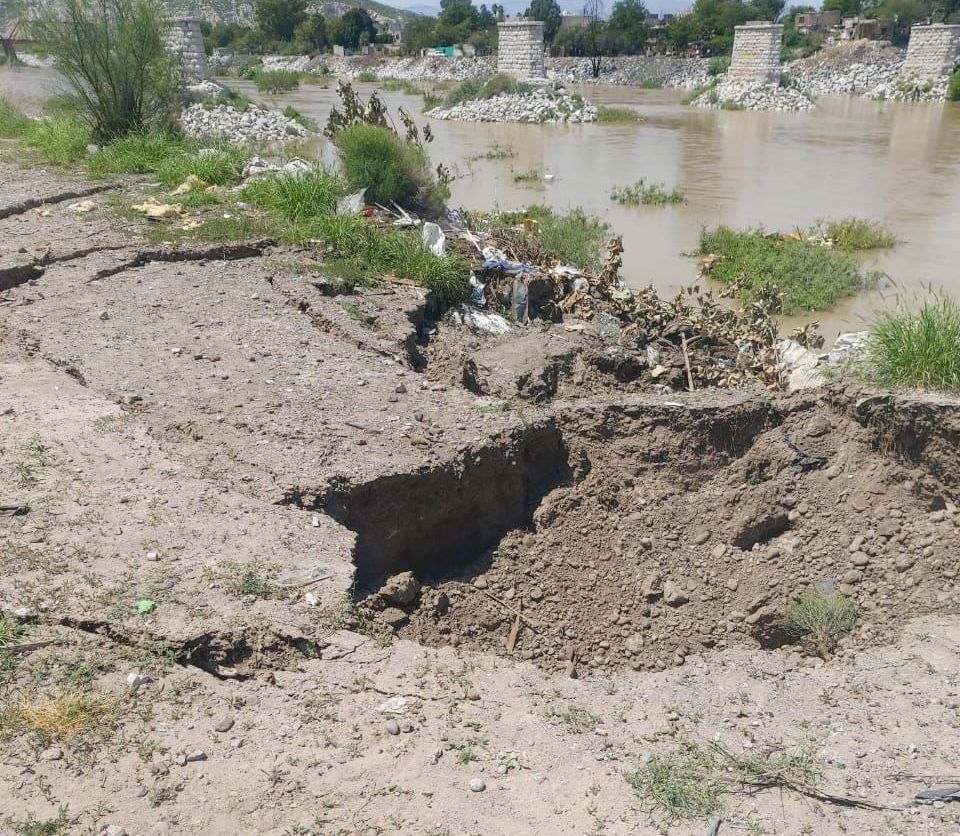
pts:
[847, 8]
[458, 18]
[420, 33]
[897, 16]
[112, 54]
[594, 34]
[627, 29]
[354, 29]
[312, 32]
[279, 18]
[549, 12]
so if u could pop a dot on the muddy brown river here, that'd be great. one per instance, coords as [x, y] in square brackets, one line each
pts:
[898, 163]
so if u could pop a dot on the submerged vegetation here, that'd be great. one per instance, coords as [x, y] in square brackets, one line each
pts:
[918, 347]
[276, 81]
[799, 270]
[617, 115]
[642, 193]
[856, 234]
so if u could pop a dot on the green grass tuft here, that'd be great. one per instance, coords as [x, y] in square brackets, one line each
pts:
[277, 81]
[617, 115]
[953, 87]
[857, 234]
[821, 617]
[136, 153]
[296, 198]
[806, 275]
[367, 77]
[642, 193]
[681, 787]
[472, 89]
[918, 349]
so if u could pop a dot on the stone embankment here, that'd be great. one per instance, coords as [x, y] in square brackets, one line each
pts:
[858, 67]
[226, 121]
[632, 70]
[544, 106]
[734, 94]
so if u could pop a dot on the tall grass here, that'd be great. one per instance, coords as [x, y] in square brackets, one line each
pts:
[918, 348]
[472, 89]
[572, 237]
[277, 81]
[808, 276]
[296, 198]
[140, 152]
[59, 140]
[953, 87]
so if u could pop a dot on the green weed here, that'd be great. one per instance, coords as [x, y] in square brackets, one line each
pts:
[681, 787]
[617, 115]
[367, 77]
[276, 81]
[141, 152]
[918, 348]
[529, 177]
[821, 617]
[473, 89]
[953, 87]
[296, 198]
[642, 193]
[856, 234]
[45, 827]
[805, 275]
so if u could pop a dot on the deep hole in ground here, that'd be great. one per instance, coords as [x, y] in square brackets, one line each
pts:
[638, 535]
[437, 521]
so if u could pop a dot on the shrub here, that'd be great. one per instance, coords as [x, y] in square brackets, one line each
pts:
[856, 234]
[292, 113]
[953, 87]
[820, 617]
[805, 275]
[430, 101]
[366, 76]
[472, 89]
[919, 348]
[277, 81]
[112, 54]
[609, 115]
[642, 193]
[718, 65]
[391, 170]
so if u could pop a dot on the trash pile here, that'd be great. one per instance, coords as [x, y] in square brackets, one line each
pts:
[227, 122]
[541, 106]
[689, 342]
[632, 70]
[734, 94]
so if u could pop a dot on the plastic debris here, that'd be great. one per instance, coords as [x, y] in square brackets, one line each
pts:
[520, 300]
[486, 321]
[82, 207]
[799, 366]
[932, 795]
[434, 239]
[145, 606]
[477, 296]
[155, 211]
[506, 266]
[190, 184]
[352, 204]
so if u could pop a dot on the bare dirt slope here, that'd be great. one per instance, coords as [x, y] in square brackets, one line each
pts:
[208, 432]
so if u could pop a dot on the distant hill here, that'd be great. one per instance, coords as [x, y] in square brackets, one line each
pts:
[241, 11]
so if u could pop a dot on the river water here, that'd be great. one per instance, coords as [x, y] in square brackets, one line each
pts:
[898, 163]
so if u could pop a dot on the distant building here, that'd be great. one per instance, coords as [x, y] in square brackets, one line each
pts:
[817, 21]
[858, 28]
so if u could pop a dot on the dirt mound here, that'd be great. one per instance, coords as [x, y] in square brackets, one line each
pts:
[680, 529]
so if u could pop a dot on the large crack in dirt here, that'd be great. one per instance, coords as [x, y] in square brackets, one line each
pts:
[637, 534]
[57, 197]
[215, 252]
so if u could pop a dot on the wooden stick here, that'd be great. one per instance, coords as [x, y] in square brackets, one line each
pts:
[514, 632]
[686, 360]
[532, 624]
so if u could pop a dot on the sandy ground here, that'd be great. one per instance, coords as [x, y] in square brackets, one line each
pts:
[218, 437]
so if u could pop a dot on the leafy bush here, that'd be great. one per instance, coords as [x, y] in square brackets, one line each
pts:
[277, 81]
[857, 234]
[821, 617]
[642, 193]
[609, 115]
[367, 77]
[918, 348]
[806, 275]
[953, 87]
[472, 89]
[112, 54]
[376, 159]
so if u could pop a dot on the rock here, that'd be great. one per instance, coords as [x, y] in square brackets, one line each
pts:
[540, 106]
[718, 551]
[732, 584]
[652, 587]
[394, 705]
[224, 724]
[394, 617]
[392, 726]
[860, 559]
[473, 694]
[536, 594]
[673, 595]
[311, 599]
[480, 583]
[538, 777]
[53, 753]
[135, 680]
[114, 830]
[104, 316]
[196, 756]
[700, 536]
[477, 785]
[854, 576]
[904, 562]
[753, 95]
[400, 589]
